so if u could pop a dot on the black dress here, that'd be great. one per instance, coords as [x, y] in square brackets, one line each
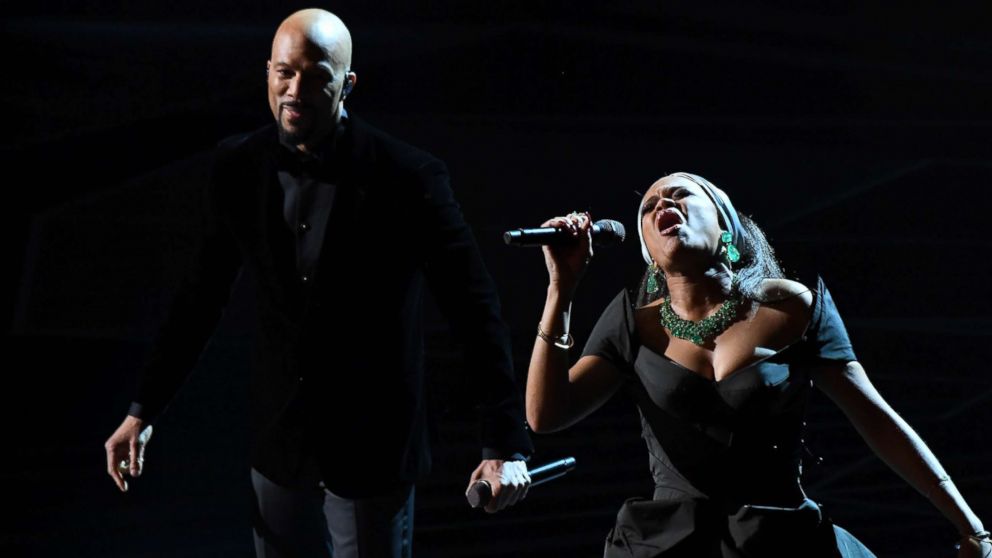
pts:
[725, 455]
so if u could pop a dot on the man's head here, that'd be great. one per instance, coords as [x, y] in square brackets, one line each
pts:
[308, 70]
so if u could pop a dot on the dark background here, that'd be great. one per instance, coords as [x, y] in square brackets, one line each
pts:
[856, 134]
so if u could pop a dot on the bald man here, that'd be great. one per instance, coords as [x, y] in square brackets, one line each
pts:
[339, 418]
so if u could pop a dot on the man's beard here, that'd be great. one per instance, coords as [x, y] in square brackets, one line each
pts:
[296, 137]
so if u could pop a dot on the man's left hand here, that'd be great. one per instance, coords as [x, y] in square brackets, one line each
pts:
[509, 481]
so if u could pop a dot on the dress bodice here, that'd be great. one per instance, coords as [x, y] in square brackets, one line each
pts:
[737, 440]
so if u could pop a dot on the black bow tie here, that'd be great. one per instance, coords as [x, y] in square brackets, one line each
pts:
[325, 162]
[297, 162]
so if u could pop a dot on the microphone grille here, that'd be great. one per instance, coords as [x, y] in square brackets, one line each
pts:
[612, 228]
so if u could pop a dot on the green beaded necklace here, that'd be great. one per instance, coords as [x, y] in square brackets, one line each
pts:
[705, 329]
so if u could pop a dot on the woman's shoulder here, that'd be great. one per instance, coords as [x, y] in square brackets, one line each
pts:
[619, 310]
[785, 295]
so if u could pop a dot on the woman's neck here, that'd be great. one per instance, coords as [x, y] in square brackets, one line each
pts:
[695, 295]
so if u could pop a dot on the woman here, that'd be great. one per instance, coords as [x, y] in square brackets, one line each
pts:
[719, 353]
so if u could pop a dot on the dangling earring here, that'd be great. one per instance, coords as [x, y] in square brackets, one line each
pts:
[728, 249]
[653, 274]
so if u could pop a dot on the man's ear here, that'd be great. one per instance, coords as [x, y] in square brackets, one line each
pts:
[350, 79]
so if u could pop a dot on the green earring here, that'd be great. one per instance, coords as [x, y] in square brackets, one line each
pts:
[733, 255]
[653, 274]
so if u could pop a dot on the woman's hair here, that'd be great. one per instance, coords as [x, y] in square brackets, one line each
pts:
[757, 263]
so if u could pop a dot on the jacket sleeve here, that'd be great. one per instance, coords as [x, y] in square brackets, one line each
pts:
[195, 309]
[466, 295]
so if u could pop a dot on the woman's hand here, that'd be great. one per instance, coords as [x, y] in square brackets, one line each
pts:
[567, 262]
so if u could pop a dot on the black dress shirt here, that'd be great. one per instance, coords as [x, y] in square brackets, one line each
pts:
[309, 186]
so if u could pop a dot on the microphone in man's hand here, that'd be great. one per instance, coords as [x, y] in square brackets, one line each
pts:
[481, 492]
[604, 232]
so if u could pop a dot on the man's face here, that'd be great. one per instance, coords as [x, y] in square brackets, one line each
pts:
[304, 89]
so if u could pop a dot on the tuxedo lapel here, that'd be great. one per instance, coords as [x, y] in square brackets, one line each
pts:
[278, 241]
[351, 175]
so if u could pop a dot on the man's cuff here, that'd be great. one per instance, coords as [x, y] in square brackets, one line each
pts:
[138, 410]
[493, 453]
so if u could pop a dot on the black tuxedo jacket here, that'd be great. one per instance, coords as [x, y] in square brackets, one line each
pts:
[338, 359]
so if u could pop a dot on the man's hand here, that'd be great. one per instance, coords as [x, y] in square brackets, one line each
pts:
[509, 481]
[126, 450]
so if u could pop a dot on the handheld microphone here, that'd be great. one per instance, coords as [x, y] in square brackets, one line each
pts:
[481, 492]
[605, 232]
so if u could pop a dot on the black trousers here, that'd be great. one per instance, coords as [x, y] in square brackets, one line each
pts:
[314, 522]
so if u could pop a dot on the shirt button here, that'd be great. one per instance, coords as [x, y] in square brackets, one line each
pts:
[304, 227]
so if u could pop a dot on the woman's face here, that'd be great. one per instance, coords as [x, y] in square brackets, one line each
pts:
[679, 222]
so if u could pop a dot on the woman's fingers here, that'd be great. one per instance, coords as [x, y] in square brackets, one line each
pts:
[575, 222]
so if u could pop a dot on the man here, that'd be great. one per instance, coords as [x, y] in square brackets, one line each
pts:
[339, 344]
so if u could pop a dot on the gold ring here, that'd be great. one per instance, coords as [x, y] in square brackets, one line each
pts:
[122, 467]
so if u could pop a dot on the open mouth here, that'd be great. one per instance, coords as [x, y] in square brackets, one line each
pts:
[669, 221]
[293, 112]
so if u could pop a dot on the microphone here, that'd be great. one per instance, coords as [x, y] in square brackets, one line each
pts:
[604, 232]
[481, 491]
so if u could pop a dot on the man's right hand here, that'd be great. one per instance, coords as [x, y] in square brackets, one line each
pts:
[127, 446]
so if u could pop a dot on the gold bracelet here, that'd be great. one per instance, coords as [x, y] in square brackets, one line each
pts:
[564, 342]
